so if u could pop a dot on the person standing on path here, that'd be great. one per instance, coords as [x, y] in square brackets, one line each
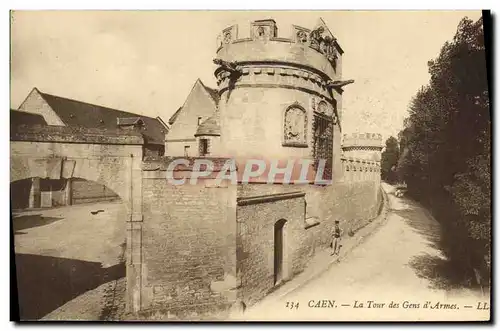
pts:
[336, 239]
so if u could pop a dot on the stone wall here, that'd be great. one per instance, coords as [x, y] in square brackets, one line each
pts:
[310, 222]
[65, 134]
[348, 202]
[189, 244]
[190, 247]
[108, 157]
[84, 191]
[108, 165]
[256, 220]
[253, 118]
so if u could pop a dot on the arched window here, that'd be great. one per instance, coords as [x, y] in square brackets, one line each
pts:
[295, 126]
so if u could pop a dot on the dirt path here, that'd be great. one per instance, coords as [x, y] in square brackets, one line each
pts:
[70, 262]
[400, 263]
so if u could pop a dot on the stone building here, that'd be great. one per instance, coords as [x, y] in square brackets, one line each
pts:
[200, 104]
[278, 98]
[199, 249]
[43, 109]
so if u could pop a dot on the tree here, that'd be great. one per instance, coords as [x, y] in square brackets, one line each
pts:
[445, 144]
[389, 161]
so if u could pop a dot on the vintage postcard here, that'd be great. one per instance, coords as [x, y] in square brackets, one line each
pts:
[250, 165]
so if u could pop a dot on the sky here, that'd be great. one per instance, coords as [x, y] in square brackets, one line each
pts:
[146, 62]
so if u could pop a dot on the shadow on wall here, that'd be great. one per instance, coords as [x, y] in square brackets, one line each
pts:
[20, 193]
[30, 221]
[45, 283]
[439, 269]
[58, 192]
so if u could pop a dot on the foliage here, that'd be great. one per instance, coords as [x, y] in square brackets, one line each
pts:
[389, 161]
[445, 143]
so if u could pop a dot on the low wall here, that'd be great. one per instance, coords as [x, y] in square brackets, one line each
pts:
[311, 224]
[257, 219]
[352, 203]
[189, 245]
[208, 246]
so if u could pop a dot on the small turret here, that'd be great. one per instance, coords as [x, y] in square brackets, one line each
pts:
[363, 145]
[280, 91]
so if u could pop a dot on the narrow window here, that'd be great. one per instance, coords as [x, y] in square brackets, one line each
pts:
[323, 143]
[203, 147]
[186, 150]
[199, 120]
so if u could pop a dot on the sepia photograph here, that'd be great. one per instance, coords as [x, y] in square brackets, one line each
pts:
[232, 166]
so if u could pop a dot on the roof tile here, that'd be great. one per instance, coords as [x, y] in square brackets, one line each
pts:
[82, 114]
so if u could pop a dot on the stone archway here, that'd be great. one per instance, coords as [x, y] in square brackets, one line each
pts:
[99, 170]
[120, 171]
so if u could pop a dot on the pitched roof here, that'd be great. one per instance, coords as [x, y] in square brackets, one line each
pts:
[174, 116]
[18, 117]
[82, 114]
[129, 121]
[209, 127]
[213, 93]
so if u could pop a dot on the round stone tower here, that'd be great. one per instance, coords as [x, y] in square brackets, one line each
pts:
[280, 97]
[366, 146]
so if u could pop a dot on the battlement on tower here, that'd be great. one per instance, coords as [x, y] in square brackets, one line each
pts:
[315, 48]
[363, 145]
[362, 140]
[290, 81]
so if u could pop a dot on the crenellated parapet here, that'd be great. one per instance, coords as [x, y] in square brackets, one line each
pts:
[362, 140]
[280, 90]
[363, 145]
[309, 59]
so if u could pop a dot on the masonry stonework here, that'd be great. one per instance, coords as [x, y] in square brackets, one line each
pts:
[197, 250]
[189, 244]
[260, 78]
[256, 221]
[366, 146]
[198, 107]
[110, 158]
